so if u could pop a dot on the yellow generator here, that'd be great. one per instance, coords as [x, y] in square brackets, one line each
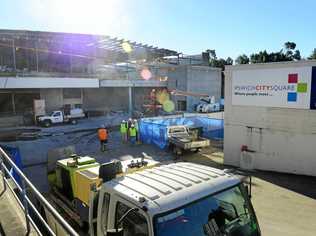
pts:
[71, 183]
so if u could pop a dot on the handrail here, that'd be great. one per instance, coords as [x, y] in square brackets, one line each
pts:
[26, 202]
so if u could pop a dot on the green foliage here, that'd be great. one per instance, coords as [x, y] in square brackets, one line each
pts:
[242, 59]
[289, 45]
[218, 62]
[229, 61]
[286, 54]
[313, 55]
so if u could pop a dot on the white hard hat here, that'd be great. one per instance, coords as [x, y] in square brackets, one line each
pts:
[123, 121]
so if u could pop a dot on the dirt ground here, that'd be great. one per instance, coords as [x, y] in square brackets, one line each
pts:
[285, 204]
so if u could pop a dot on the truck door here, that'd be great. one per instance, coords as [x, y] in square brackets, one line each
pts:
[104, 213]
[111, 208]
[135, 224]
[57, 117]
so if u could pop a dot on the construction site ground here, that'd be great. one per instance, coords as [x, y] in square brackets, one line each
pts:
[285, 204]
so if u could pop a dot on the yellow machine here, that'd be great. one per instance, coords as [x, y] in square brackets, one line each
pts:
[75, 177]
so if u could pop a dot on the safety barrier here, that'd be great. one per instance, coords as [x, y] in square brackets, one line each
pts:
[154, 130]
[24, 201]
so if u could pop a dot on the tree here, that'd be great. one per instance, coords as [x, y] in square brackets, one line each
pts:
[242, 59]
[229, 61]
[218, 62]
[313, 55]
[297, 55]
[289, 45]
[285, 54]
[212, 53]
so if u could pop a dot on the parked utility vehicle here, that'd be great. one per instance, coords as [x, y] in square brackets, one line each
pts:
[141, 197]
[59, 117]
[181, 139]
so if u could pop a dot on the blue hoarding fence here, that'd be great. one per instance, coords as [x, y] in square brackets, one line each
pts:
[14, 153]
[154, 131]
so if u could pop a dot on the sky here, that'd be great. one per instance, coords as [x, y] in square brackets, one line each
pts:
[231, 27]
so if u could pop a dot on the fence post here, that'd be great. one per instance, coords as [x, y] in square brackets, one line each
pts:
[26, 207]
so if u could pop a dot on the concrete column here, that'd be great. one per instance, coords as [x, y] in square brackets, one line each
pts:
[13, 104]
[13, 53]
[130, 101]
[36, 53]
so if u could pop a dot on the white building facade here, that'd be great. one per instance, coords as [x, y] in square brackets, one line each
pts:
[270, 113]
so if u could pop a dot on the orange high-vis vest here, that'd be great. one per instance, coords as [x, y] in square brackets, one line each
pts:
[103, 134]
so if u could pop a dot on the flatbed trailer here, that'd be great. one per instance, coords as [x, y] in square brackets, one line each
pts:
[180, 140]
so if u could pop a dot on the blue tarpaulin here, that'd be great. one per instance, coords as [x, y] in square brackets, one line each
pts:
[14, 153]
[154, 131]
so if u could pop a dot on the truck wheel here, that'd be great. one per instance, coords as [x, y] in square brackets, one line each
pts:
[47, 123]
[73, 122]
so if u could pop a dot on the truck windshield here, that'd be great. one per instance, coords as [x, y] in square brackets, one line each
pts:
[226, 213]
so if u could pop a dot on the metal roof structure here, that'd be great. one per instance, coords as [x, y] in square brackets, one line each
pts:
[170, 186]
[87, 45]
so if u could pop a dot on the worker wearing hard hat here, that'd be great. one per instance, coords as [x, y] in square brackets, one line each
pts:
[103, 137]
[129, 123]
[135, 122]
[132, 134]
[123, 131]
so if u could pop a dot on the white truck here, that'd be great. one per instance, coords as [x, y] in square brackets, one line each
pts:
[143, 198]
[180, 139]
[59, 117]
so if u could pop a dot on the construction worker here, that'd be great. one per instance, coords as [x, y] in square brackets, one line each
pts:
[137, 131]
[132, 134]
[123, 130]
[103, 137]
[129, 123]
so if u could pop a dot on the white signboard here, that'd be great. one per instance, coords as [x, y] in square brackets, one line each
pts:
[282, 87]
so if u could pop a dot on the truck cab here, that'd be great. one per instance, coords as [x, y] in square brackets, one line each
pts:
[177, 131]
[142, 197]
[176, 199]
[181, 139]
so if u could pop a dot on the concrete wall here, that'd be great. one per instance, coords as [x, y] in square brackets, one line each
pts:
[177, 79]
[195, 79]
[11, 121]
[282, 139]
[204, 80]
[97, 99]
[105, 99]
[53, 99]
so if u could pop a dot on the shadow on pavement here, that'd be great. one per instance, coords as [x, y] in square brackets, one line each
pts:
[301, 184]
